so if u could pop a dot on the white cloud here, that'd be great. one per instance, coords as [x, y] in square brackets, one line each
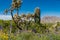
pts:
[5, 17]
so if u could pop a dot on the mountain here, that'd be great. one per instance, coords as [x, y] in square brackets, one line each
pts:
[50, 19]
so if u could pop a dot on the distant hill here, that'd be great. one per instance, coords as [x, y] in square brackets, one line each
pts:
[50, 19]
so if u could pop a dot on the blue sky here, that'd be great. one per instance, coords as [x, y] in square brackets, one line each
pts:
[50, 7]
[27, 5]
[47, 7]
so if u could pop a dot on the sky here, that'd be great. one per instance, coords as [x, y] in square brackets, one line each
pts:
[47, 7]
[50, 7]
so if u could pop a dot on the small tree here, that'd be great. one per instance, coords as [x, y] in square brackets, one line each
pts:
[15, 6]
[37, 15]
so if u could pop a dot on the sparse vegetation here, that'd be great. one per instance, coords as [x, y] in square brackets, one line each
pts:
[27, 27]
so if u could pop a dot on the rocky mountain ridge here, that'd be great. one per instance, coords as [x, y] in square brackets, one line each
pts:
[50, 19]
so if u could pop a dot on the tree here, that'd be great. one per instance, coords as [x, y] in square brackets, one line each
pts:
[23, 15]
[6, 11]
[15, 5]
[37, 15]
[28, 16]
